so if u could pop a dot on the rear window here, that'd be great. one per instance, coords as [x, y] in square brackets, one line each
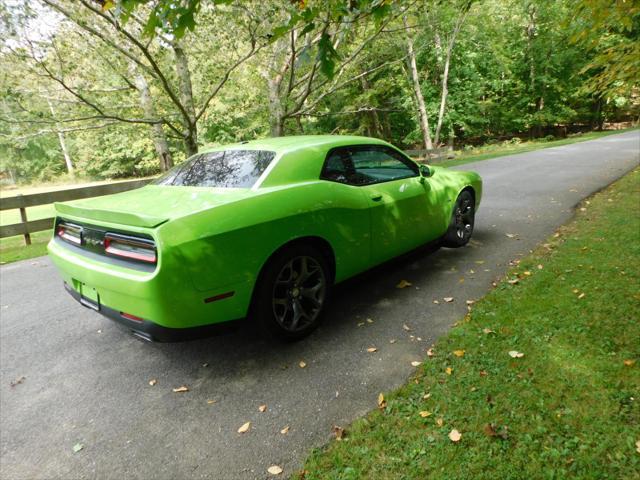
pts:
[226, 169]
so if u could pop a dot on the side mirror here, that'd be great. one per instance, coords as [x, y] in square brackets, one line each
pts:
[425, 171]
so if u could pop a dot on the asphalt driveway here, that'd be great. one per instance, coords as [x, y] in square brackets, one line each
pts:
[80, 379]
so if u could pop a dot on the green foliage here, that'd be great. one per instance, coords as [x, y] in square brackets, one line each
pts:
[526, 68]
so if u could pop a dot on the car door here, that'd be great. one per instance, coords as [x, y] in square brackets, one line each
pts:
[400, 203]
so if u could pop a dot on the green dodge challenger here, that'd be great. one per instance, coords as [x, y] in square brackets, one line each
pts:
[259, 229]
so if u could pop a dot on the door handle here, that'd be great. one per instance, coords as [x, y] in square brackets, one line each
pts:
[377, 197]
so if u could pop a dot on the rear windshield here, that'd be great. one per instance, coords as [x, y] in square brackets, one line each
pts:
[226, 169]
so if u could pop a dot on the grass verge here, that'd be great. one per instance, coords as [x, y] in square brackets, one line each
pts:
[568, 408]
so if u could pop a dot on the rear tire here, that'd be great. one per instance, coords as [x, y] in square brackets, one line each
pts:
[291, 293]
[462, 221]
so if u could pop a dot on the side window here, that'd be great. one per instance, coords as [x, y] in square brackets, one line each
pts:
[337, 166]
[365, 165]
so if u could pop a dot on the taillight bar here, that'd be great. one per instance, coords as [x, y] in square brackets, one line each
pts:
[69, 232]
[133, 248]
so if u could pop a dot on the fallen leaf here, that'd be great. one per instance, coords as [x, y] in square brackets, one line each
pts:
[516, 354]
[511, 235]
[455, 435]
[638, 446]
[245, 427]
[381, 401]
[581, 296]
[369, 320]
[205, 365]
[262, 408]
[449, 370]
[483, 373]
[274, 470]
[489, 430]
[540, 267]
[436, 302]
[513, 281]
[458, 353]
[415, 363]
[403, 284]
[406, 327]
[470, 302]
[285, 430]
[439, 422]
[527, 273]
[393, 340]
[302, 364]
[338, 432]
[372, 349]
[424, 414]
[426, 396]
[629, 363]
[153, 381]
[430, 353]
[77, 447]
[211, 402]
[18, 381]
[448, 299]
[361, 324]
[181, 389]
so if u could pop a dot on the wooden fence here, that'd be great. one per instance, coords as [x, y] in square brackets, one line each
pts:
[21, 202]
[27, 227]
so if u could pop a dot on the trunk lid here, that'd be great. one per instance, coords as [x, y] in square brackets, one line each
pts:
[151, 205]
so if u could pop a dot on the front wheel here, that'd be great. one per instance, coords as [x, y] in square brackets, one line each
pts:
[462, 221]
[291, 293]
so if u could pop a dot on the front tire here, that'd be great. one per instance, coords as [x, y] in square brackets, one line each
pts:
[462, 221]
[291, 293]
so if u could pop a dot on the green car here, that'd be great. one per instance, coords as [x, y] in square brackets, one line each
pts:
[259, 229]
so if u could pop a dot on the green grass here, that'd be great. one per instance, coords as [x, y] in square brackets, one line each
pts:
[569, 408]
[496, 150]
[13, 249]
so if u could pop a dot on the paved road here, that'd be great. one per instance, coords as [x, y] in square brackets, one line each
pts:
[86, 380]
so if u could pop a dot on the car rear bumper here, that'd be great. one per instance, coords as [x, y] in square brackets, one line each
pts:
[167, 304]
[151, 331]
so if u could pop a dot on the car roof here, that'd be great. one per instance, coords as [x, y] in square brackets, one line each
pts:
[298, 142]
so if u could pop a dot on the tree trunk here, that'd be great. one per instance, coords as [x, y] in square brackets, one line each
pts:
[422, 109]
[531, 28]
[374, 120]
[276, 111]
[62, 141]
[146, 102]
[186, 97]
[445, 75]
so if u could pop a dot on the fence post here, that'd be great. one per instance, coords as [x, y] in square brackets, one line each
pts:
[23, 217]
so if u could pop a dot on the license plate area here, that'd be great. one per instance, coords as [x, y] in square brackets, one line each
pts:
[89, 296]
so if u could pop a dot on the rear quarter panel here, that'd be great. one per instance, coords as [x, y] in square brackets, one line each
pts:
[228, 245]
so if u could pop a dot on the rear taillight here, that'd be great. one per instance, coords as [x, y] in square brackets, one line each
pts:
[132, 248]
[70, 233]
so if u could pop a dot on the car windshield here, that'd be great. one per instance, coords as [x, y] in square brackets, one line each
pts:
[226, 169]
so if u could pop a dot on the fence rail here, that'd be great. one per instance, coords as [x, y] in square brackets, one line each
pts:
[27, 227]
[21, 202]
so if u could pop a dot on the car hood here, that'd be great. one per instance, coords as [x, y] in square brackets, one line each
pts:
[151, 205]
